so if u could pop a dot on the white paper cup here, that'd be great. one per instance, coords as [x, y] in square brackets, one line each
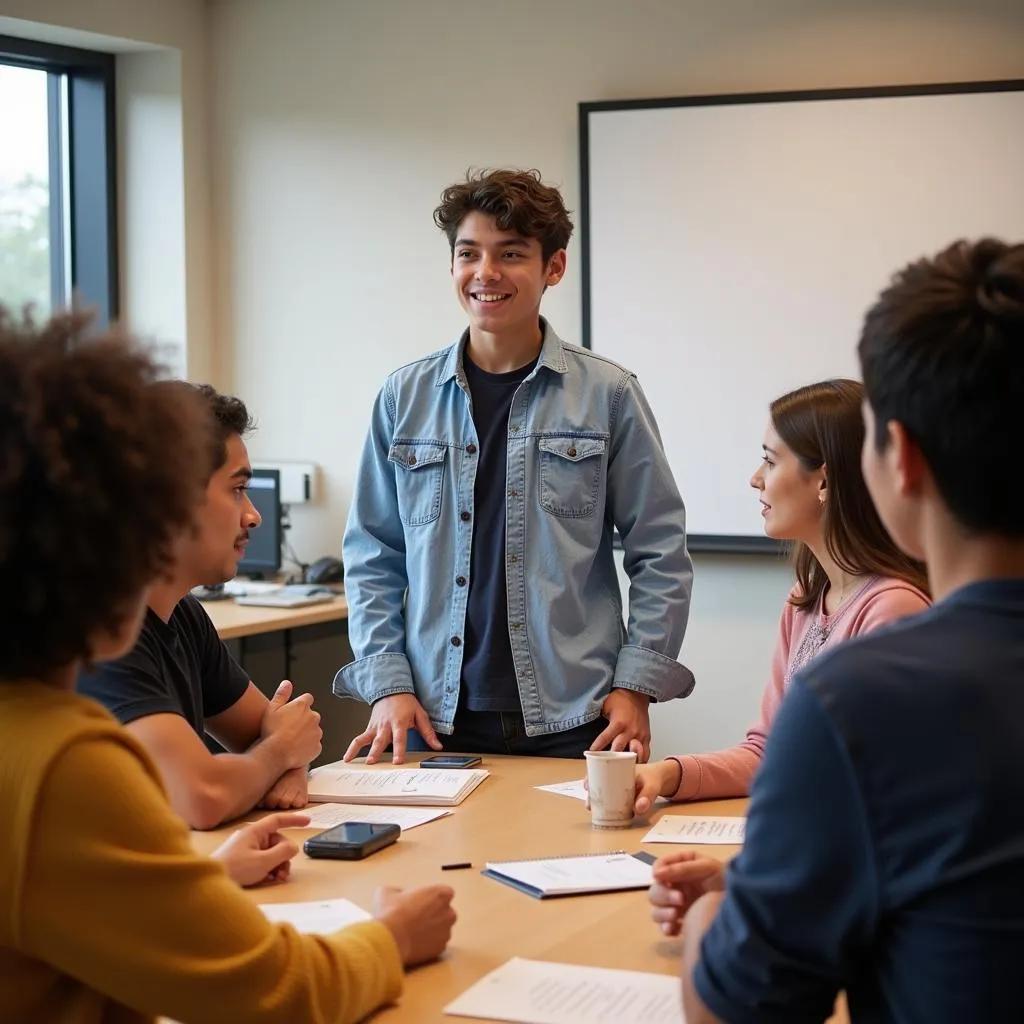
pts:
[611, 782]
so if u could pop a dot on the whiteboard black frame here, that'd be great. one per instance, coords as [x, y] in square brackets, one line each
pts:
[718, 543]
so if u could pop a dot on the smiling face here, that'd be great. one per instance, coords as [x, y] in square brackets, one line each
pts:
[211, 554]
[792, 496]
[500, 276]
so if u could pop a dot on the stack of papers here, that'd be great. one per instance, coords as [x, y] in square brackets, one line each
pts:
[684, 828]
[329, 815]
[243, 588]
[293, 595]
[416, 787]
[574, 876]
[534, 992]
[318, 917]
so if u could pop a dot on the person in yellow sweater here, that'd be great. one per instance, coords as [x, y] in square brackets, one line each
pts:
[107, 914]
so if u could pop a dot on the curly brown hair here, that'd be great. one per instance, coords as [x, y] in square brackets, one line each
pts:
[101, 466]
[517, 200]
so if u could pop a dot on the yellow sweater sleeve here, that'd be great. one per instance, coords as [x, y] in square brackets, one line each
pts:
[116, 897]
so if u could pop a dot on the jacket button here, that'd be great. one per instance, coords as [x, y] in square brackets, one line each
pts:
[460, 581]
[471, 448]
[456, 642]
[465, 517]
[571, 453]
[411, 460]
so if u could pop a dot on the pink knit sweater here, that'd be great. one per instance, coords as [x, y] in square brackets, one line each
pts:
[802, 635]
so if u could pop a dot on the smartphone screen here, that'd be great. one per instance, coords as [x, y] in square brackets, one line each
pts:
[351, 840]
[355, 833]
[450, 761]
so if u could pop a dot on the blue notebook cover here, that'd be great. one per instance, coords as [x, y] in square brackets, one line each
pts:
[544, 893]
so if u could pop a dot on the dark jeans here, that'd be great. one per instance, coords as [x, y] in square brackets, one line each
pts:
[504, 732]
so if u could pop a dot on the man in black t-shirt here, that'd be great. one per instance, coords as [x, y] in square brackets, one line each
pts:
[180, 681]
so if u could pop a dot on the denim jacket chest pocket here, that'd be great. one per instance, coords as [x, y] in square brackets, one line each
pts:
[418, 480]
[571, 469]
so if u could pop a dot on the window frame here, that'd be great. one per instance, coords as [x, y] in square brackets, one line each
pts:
[83, 174]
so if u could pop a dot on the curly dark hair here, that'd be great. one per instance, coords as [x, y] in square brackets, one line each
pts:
[518, 201]
[230, 417]
[101, 465]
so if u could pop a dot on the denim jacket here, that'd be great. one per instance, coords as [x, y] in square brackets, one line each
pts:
[584, 457]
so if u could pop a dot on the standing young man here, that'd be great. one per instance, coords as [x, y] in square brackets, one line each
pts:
[884, 852]
[180, 681]
[483, 598]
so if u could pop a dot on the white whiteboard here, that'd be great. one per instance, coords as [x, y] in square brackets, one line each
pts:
[733, 247]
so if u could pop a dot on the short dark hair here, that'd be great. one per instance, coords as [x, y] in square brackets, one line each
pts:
[230, 417]
[942, 353]
[517, 200]
[822, 425]
[101, 465]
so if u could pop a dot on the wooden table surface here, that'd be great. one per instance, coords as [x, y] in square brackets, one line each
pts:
[505, 818]
[233, 620]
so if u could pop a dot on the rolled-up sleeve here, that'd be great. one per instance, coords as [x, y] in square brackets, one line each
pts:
[375, 572]
[649, 514]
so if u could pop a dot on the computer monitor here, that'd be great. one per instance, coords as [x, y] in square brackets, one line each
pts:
[263, 553]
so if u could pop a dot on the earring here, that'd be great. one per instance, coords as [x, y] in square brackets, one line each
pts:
[821, 499]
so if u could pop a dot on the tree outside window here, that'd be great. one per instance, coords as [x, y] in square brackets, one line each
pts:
[25, 231]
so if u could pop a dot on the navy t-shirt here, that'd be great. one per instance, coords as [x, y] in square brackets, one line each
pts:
[884, 849]
[488, 672]
[178, 667]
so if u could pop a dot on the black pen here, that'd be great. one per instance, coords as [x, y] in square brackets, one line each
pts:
[456, 867]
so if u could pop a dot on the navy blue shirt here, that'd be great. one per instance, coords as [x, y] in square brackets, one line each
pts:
[884, 850]
[488, 671]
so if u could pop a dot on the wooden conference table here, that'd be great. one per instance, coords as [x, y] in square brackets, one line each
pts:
[235, 621]
[505, 818]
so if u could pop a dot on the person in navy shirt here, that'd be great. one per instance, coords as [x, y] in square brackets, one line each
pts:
[884, 851]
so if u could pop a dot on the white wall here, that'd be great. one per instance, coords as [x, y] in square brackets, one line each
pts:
[337, 123]
[154, 294]
[163, 160]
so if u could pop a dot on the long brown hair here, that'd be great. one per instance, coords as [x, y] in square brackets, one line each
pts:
[822, 425]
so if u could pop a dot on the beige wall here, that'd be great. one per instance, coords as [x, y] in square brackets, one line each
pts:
[164, 158]
[337, 123]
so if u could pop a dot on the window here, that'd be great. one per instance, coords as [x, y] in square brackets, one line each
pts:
[58, 237]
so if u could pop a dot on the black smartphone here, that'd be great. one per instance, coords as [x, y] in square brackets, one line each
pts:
[351, 840]
[450, 761]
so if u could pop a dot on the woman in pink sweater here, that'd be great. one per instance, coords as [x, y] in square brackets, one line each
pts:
[850, 577]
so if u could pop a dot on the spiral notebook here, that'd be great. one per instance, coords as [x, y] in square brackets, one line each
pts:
[574, 875]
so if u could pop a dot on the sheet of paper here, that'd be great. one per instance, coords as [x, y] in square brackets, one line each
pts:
[710, 831]
[329, 815]
[607, 872]
[405, 785]
[316, 916]
[536, 992]
[574, 789]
